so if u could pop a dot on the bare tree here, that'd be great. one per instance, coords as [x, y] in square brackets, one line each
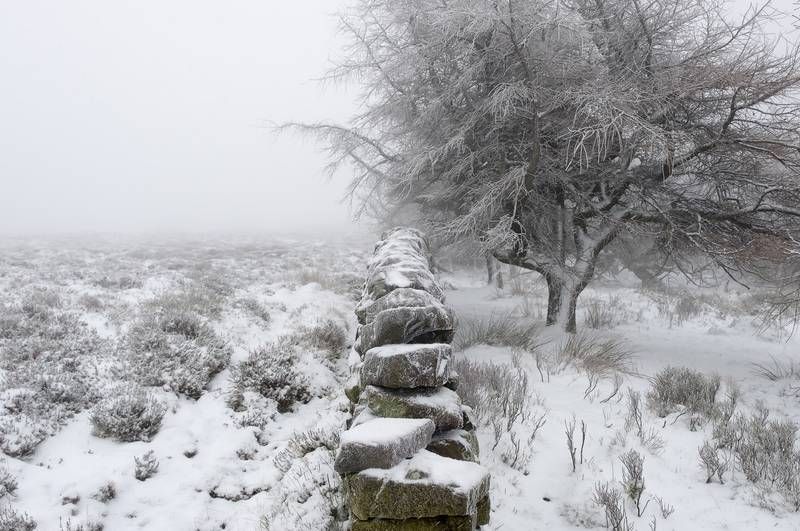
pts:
[547, 129]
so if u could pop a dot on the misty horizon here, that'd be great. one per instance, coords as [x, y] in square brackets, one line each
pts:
[150, 117]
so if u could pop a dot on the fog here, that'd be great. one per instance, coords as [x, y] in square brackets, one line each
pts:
[153, 116]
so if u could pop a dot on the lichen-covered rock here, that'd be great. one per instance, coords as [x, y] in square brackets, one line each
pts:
[400, 298]
[381, 443]
[484, 511]
[428, 324]
[439, 404]
[442, 523]
[407, 366]
[352, 388]
[388, 279]
[456, 444]
[425, 486]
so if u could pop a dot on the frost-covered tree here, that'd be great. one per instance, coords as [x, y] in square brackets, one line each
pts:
[548, 129]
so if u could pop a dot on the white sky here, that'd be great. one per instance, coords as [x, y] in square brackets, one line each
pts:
[151, 115]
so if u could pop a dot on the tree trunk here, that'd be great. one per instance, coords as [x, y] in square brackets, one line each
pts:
[490, 269]
[554, 298]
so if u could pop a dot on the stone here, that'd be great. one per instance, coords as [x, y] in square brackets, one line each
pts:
[427, 324]
[456, 444]
[400, 298]
[381, 443]
[452, 381]
[439, 404]
[466, 415]
[388, 279]
[484, 511]
[425, 486]
[442, 523]
[407, 366]
[352, 388]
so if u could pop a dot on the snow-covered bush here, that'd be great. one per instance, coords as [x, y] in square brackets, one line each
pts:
[177, 350]
[633, 478]
[765, 450]
[711, 461]
[106, 492]
[146, 467]
[8, 482]
[89, 525]
[129, 413]
[612, 503]
[11, 520]
[675, 387]
[254, 308]
[271, 371]
[501, 397]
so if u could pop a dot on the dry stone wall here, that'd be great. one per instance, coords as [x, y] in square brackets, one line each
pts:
[410, 457]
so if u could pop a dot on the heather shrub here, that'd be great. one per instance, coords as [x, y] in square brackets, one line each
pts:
[146, 466]
[11, 520]
[177, 350]
[8, 483]
[678, 387]
[764, 450]
[128, 414]
[271, 371]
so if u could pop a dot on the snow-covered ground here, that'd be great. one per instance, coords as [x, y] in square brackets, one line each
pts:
[223, 466]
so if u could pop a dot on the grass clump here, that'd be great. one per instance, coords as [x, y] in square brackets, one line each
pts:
[497, 330]
[603, 357]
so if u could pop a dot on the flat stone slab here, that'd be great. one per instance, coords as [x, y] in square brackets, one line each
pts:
[442, 523]
[425, 486]
[400, 298]
[456, 444]
[439, 404]
[425, 324]
[388, 279]
[381, 443]
[407, 366]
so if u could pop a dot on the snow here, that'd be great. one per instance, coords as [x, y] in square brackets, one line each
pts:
[382, 431]
[429, 468]
[215, 471]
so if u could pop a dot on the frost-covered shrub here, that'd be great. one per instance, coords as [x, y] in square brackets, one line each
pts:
[129, 413]
[89, 525]
[271, 371]
[600, 314]
[11, 520]
[633, 478]
[8, 482]
[764, 450]
[105, 493]
[146, 467]
[711, 461]
[501, 397]
[675, 387]
[91, 303]
[612, 503]
[176, 350]
[254, 308]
